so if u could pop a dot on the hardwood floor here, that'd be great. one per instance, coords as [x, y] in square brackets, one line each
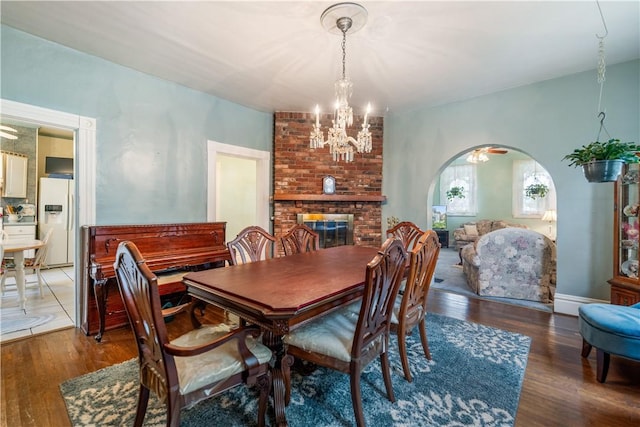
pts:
[559, 388]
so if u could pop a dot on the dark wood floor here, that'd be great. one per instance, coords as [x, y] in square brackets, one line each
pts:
[559, 388]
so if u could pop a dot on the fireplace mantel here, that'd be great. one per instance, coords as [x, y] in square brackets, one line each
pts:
[329, 198]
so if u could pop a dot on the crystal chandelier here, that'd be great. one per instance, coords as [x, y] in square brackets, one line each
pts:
[343, 16]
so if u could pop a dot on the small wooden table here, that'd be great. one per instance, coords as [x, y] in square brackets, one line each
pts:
[17, 248]
[282, 293]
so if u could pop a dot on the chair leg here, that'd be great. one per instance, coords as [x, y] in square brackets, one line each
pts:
[602, 359]
[586, 348]
[143, 400]
[173, 409]
[386, 374]
[423, 338]
[2, 282]
[402, 349]
[356, 397]
[40, 282]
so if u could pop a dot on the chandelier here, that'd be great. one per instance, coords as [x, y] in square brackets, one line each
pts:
[342, 17]
[477, 156]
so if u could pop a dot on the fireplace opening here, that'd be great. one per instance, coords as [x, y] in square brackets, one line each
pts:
[333, 229]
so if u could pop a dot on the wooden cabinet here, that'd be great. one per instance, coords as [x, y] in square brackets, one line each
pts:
[625, 283]
[443, 236]
[21, 233]
[14, 175]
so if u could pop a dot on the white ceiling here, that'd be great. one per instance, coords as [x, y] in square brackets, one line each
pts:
[276, 56]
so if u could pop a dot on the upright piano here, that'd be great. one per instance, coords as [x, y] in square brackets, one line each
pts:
[170, 250]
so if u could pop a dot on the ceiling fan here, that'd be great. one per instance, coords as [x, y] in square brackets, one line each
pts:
[480, 154]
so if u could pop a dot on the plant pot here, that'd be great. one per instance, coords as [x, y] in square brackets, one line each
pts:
[602, 170]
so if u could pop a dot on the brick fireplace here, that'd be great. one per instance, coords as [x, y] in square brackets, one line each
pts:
[299, 171]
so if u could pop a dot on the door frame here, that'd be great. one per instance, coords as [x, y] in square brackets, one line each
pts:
[84, 151]
[262, 158]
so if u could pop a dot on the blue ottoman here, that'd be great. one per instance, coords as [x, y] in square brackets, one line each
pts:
[611, 329]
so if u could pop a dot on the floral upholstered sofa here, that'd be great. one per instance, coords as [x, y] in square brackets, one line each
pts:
[470, 232]
[512, 263]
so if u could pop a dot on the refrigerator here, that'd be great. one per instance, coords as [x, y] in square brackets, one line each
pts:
[55, 210]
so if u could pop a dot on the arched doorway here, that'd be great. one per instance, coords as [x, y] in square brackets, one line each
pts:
[496, 184]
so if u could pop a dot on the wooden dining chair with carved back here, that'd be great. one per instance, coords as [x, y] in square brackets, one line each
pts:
[200, 364]
[411, 307]
[250, 245]
[406, 231]
[347, 340]
[300, 238]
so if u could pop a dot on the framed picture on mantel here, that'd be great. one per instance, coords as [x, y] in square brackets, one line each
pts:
[328, 185]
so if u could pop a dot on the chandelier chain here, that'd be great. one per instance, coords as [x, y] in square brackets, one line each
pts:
[344, 54]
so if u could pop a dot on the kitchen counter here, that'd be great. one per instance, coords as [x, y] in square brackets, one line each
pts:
[12, 224]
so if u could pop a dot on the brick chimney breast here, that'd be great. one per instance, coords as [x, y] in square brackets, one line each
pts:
[299, 171]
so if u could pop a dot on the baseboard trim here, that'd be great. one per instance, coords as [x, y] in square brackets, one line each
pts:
[569, 304]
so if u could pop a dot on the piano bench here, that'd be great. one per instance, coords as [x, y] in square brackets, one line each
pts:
[171, 283]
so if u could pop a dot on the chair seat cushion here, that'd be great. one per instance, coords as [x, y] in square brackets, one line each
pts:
[331, 335]
[612, 328]
[197, 371]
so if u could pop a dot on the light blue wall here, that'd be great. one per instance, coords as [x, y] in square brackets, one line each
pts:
[151, 142]
[151, 134]
[545, 120]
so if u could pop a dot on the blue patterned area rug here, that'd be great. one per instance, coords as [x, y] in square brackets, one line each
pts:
[474, 379]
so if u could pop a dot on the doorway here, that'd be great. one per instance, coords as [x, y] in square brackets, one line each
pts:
[84, 134]
[238, 187]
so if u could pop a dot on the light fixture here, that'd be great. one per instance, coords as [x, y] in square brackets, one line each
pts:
[341, 18]
[550, 216]
[4, 132]
[477, 156]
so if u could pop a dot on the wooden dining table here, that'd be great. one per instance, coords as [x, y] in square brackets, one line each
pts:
[280, 294]
[18, 248]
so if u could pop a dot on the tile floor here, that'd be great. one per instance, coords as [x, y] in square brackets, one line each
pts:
[57, 304]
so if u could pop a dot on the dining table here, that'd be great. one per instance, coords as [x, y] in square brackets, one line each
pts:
[280, 294]
[18, 248]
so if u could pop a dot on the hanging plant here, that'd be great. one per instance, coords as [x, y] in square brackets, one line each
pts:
[455, 193]
[603, 161]
[536, 191]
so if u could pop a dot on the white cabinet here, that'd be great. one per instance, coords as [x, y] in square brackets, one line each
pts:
[22, 232]
[14, 175]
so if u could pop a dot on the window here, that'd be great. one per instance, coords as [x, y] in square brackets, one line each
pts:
[526, 173]
[464, 177]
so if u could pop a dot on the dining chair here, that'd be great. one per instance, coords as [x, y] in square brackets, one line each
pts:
[250, 245]
[406, 231]
[300, 239]
[410, 308]
[200, 364]
[34, 264]
[348, 340]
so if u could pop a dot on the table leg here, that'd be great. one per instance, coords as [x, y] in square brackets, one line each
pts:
[18, 259]
[281, 376]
